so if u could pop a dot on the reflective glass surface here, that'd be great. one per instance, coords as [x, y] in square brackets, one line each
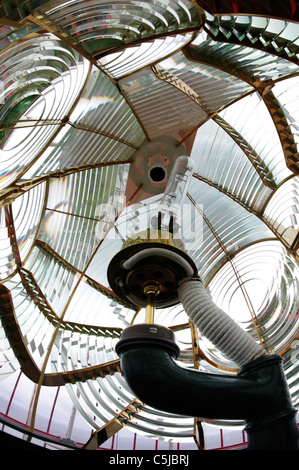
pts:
[91, 94]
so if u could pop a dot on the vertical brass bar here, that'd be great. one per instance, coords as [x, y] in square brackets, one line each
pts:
[151, 290]
[150, 309]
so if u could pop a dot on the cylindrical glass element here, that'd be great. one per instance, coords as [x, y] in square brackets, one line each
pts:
[169, 211]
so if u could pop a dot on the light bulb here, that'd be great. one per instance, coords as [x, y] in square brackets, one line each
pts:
[168, 214]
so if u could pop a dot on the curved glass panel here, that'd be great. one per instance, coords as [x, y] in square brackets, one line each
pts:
[265, 273]
[27, 211]
[92, 97]
[98, 27]
[161, 108]
[39, 88]
[206, 82]
[250, 118]
[226, 221]
[281, 211]
[131, 59]
[228, 162]
[7, 262]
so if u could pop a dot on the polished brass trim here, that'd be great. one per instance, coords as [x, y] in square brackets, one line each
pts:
[8, 22]
[194, 342]
[113, 426]
[104, 134]
[282, 126]
[81, 375]
[154, 236]
[255, 159]
[179, 84]
[151, 290]
[198, 434]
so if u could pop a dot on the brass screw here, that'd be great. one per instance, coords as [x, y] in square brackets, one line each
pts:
[152, 288]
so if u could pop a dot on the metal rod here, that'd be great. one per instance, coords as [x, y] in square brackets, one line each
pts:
[151, 290]
[150, 309]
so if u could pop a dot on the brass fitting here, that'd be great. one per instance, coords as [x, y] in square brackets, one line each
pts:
[151, 290]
